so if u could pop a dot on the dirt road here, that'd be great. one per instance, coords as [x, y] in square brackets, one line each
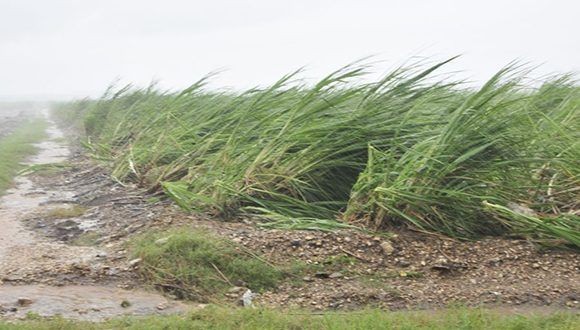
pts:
[26, 256]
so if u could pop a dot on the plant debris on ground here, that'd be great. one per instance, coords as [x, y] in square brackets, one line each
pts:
[339, 270]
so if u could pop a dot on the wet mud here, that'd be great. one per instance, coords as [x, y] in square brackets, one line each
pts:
[25, 254]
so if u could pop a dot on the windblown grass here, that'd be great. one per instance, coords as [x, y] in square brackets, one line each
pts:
[407, 149]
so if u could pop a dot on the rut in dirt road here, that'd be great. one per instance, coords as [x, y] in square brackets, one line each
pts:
[25, 256]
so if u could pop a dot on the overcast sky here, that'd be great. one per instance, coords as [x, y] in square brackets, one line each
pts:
[67, 48]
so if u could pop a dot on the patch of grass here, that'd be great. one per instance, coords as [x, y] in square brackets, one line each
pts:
[195, 264]
[15, 147]
[266, 319]
[32, 316]
[74, 211]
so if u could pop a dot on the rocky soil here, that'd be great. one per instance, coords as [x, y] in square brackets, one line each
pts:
[42, 272]
[340, 270]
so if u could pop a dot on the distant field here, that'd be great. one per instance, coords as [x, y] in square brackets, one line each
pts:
[14, 113]
[5, 113]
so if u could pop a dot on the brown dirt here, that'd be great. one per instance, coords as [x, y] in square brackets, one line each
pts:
[340, 270]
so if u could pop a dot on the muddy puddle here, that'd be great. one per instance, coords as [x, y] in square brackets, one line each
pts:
[25, 253]
[93, 303]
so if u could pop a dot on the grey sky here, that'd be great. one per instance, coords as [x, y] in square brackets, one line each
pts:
[63, 48]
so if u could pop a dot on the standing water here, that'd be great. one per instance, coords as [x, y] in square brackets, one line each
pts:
[21, 250]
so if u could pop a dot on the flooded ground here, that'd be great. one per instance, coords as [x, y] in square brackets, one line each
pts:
[23, 254]
[92, 303]
[24, 199]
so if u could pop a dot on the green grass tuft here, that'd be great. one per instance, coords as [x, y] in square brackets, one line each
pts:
[197, 265]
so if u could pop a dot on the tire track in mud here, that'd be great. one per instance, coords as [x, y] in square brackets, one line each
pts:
[25, 256]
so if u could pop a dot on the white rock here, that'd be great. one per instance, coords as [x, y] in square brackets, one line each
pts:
[135, 262]
[162, 241]
[247, 298]
[387, 247]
